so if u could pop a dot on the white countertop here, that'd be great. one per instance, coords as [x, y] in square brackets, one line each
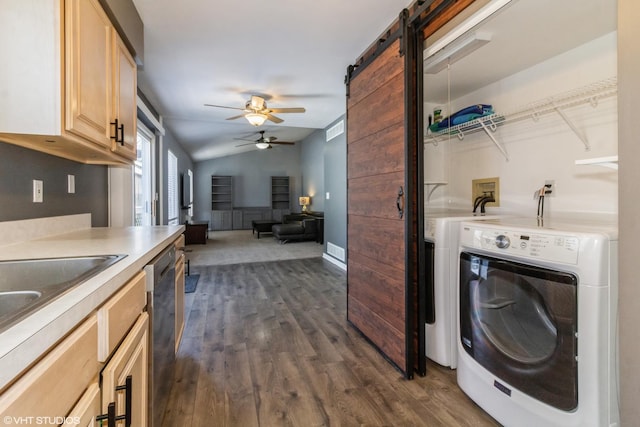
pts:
[26, 341]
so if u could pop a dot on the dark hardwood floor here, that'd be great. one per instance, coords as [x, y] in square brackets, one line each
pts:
[267, 344]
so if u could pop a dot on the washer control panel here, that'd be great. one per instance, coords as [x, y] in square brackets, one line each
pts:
[502, 241]
[532, 244]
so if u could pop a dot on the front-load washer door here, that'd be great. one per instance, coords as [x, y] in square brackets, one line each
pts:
[519, 322]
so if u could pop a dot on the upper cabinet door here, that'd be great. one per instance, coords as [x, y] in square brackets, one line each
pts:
[124, 99]
[88, 38]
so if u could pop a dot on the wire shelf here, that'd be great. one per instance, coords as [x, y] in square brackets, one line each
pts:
[590, 94]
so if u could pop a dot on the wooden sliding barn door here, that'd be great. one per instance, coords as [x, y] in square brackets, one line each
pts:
[381, 233]
[386, 295]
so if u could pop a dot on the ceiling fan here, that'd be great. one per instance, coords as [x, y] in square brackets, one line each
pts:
[256, 111]
[264, 142]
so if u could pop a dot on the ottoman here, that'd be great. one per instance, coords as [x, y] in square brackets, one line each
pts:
[262, 226]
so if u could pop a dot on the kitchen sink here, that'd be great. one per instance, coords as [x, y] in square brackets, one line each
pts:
[15, 300]
[27, 285]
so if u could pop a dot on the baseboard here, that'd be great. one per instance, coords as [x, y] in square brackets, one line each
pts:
[334, 261]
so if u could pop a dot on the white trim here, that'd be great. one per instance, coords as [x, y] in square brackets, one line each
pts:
[173, 204]
[468, 24]
[120, 188]
[149, 115]
[334, 261]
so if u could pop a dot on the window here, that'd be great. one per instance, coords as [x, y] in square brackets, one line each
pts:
[172, 188]
[143, 182]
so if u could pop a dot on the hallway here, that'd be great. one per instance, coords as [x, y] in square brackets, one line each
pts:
[267, 344]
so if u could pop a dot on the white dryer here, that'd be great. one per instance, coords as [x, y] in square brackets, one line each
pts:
[537, 330]
[441, 249]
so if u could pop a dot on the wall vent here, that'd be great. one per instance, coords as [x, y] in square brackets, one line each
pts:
[335, 251]
[335, 130]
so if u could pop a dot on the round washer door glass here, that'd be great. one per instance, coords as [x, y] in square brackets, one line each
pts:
[519, 321]
[512, 315]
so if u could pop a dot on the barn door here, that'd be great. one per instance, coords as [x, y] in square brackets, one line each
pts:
[381, 190]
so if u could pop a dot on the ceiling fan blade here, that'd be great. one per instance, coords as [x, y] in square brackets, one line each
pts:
[287, 110]
[282, 142]
[274, 119]
[235, 117]
[248, 143]
[223, 106]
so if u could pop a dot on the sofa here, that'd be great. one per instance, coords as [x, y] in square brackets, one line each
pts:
[297, 227]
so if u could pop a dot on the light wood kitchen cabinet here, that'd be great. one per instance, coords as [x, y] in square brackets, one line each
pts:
[128, 372]
[51, 388]
[83, 414]
[88, 67]
[180, 262]
[116, 316]
[73, 92]
[71, 383]
[124, 104]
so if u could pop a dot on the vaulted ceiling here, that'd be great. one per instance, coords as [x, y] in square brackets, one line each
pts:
[294, 53]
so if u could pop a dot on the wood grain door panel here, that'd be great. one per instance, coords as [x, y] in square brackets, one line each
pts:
[382, 109]
[377, 154]
[379, 292]
[375, 196]
[375, 232]
[378, 239]
[388, 339]
[386, 67]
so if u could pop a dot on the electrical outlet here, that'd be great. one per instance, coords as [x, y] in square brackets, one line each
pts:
[480, 187]
[37, 191]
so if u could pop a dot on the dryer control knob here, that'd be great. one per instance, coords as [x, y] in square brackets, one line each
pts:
[502, 241]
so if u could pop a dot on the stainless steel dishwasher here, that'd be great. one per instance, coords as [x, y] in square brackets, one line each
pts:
[161, 299]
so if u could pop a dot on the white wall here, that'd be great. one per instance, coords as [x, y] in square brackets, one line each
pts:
[538, 151]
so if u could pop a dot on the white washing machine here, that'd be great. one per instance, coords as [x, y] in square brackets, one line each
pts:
[538, 318]
[441, 248]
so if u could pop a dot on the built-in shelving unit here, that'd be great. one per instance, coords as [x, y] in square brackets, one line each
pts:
[280, 193]
[589, 94]
[221, 193]
[221, 202]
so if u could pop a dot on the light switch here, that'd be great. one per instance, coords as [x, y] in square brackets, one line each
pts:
[328, 196]
[37, 191]
[71, 184]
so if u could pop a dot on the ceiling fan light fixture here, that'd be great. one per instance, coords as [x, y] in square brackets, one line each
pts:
[262, 145]
[256, 119]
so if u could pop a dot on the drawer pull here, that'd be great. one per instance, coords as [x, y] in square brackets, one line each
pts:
[119, 132]
[128, 405]
[110, 416]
